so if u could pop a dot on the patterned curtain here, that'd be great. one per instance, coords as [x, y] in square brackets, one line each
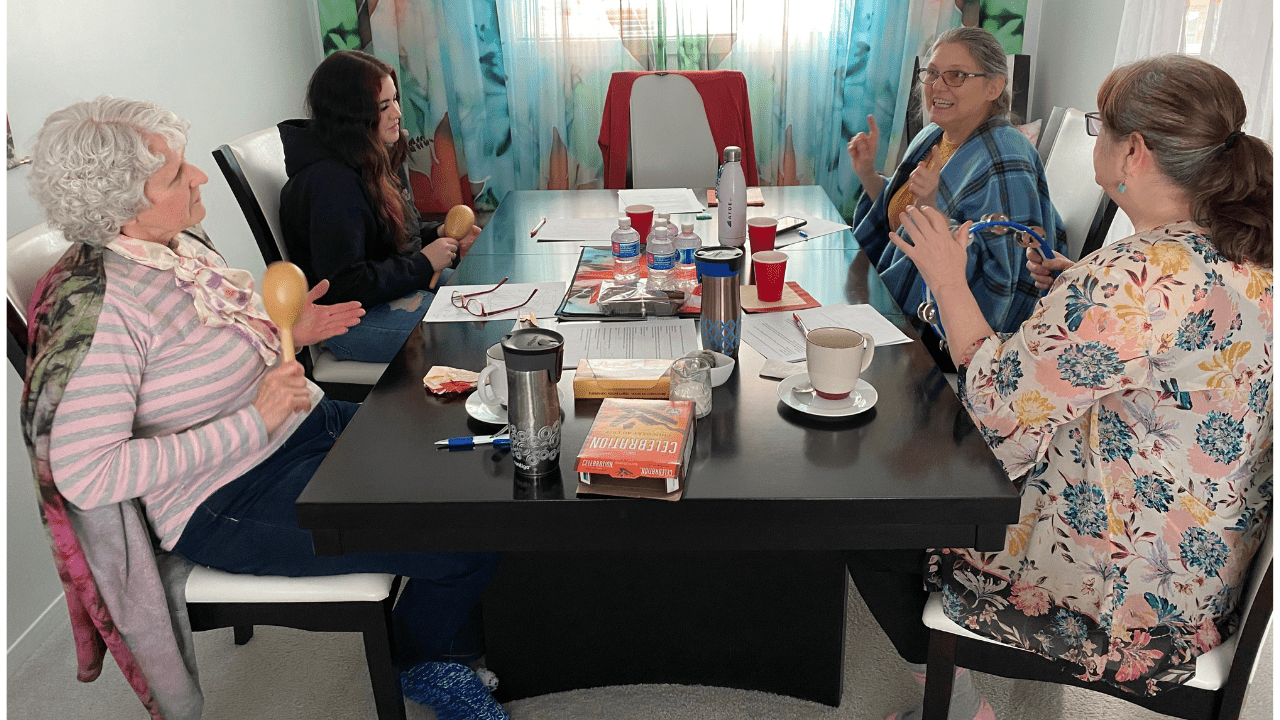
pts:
[503, 95]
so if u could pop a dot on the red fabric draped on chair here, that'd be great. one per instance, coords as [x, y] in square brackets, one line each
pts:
[724, 95]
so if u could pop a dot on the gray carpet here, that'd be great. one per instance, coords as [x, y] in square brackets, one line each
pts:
[287, 674]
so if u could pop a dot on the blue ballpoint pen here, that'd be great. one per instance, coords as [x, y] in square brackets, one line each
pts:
[803, 234]
[460, 442]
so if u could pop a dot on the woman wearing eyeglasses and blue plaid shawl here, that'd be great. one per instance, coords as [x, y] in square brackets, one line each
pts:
[986, 166]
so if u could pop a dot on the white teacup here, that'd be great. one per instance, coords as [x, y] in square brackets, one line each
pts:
[836, 356]
[492, 383]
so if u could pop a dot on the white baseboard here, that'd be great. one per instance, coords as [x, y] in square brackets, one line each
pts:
[53, 618]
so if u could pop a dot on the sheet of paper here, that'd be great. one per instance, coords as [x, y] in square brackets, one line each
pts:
[592, 230]
[663, 200]
[544, 303]
[655, 338]
[813, 228]
[775, 335]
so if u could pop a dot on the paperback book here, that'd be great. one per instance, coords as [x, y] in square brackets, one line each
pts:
[637, 448]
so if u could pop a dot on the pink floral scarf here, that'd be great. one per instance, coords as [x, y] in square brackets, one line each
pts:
[223, 296]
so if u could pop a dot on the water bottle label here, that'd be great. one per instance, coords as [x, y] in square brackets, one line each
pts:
[662, 262]
[686, 255]
[626, 250]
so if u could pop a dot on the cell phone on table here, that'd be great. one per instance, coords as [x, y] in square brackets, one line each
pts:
[787, 223]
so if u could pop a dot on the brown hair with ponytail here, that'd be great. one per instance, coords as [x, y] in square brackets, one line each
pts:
[1190, 113]
[342, 101]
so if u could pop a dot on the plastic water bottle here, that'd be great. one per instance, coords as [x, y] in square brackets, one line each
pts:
[731, 199]
[686, 269]
[663, 220]
[661, 260]
[626, 253]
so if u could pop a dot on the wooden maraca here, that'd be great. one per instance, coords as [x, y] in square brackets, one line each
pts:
[457, 224]
[284, 291]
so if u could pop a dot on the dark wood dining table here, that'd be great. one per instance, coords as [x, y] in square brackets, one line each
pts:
[741, 583]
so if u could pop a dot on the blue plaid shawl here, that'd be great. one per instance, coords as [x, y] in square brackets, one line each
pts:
[995, 170]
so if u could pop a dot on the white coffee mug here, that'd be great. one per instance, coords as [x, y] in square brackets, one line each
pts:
[491, 386]
[836, 356]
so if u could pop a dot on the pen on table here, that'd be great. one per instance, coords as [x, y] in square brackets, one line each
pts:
[803, 234]
[537, 227]
[495, 440]
[800, 324]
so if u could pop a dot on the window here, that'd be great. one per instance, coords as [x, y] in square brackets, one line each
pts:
[644, 19]
[1195, 23]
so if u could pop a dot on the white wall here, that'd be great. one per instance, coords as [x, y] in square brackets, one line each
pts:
[228, 66]
[1076, 45]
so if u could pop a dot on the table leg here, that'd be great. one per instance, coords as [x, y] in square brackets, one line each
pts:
[756, 621]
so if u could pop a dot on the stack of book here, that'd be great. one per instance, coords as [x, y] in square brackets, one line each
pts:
[622, 378]
[637, 448]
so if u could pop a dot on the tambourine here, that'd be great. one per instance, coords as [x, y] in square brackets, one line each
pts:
[996, 224]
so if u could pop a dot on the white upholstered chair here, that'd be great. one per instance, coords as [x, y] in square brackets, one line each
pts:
[216, 599]
[1217, 691]
[254, 168]
[671, 143]
[1068, 166]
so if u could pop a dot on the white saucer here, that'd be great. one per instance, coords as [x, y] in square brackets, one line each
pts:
[486, 414]
[862, 398]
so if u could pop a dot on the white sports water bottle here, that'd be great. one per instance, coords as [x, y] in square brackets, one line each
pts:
[686, 269]
[731, 197]
[626, 253]
[661, 259]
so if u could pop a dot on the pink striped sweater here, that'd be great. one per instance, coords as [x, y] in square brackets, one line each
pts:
[160, 409]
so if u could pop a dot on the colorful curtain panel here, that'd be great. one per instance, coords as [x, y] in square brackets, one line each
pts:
[505, 95]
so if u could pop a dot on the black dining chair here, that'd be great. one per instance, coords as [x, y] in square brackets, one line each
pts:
[1216, 692]
[215, 599]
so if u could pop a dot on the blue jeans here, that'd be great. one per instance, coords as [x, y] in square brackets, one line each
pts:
[382, 330]
[249, 526]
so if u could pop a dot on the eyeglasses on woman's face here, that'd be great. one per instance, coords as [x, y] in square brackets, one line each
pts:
[1093, 123]
[954, 78]
[473, 305]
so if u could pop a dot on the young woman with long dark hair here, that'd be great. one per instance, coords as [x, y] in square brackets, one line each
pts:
[347, 211]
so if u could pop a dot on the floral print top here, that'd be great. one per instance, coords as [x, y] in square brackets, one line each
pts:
[1135, 407]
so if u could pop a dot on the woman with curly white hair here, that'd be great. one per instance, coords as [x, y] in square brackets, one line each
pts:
[155, 376]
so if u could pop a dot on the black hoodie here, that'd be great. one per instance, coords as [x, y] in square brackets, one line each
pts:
[332, 230]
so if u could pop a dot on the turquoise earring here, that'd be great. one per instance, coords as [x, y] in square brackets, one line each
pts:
[1121, 188]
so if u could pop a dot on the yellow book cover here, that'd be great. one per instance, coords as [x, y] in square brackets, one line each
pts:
[622, 378]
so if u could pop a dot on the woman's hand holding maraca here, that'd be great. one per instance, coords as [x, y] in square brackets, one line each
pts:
[441, 252]
[282, 392]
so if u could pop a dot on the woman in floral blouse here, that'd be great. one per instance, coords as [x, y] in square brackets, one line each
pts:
[1134, 406]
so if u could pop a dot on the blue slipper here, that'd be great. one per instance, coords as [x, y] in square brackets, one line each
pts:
[452, 691]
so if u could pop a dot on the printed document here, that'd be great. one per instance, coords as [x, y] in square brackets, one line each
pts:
[776, 336]
[591, 230]
[655, 338]
[663, 200]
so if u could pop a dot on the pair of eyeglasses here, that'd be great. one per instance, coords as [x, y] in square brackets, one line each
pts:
[1093, 123]
[954, 78]
[471, 304]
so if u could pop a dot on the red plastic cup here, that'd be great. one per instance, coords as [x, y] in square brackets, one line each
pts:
[641, 219]
[762, 231]
[771, 271]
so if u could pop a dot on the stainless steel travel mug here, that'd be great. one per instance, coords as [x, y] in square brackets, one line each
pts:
[533, 358]
[721, 323]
